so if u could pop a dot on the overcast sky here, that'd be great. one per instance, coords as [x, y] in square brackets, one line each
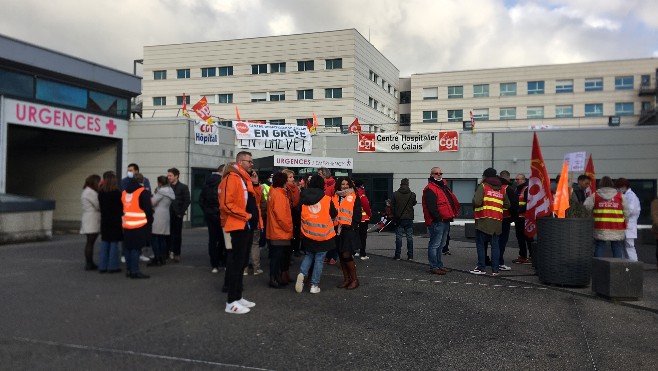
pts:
[415, 35]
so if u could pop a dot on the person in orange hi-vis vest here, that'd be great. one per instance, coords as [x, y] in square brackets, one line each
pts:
[137, 219]
[610, 213]
[348, 203]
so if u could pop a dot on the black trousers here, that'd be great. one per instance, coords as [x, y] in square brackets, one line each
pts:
[216, 244]
[524, 242]
[176, 233]
[363, 237]
[236, 259]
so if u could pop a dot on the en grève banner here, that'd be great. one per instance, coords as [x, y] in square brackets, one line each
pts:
[278, 138]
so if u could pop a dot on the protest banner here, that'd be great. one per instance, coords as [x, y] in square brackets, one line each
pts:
[205, 134]
[306, 161]
[278, 138]
[409, 142]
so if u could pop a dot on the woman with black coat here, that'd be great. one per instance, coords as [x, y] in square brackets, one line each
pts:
[109, 199]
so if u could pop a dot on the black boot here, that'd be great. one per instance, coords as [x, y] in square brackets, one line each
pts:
[155, 262]
[274, 283]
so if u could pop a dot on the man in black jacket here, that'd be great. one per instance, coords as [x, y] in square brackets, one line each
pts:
[403, 203]
[177, 211]
[210, 206]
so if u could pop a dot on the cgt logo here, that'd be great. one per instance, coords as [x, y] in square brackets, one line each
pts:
[242, 127]
[449, 141]
[366, 142]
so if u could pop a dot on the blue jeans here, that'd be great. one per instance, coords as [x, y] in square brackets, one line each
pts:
[159, 245]
[617, 246]
[481, 240]
[132, 259]
[438, 233]
[405, 227]
[317, 259]
[109, 256]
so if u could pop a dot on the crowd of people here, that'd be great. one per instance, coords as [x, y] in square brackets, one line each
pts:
[323, 218]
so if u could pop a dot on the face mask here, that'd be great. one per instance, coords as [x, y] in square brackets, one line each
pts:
[130, 174]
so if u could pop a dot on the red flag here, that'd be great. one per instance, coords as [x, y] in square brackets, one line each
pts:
[185, 113]
[589, 171]
[354, 127]
[310, 127]
[202, 110]
[472, 121]
[237, 113]
[561, 201]
[540, 199]
[315, 122]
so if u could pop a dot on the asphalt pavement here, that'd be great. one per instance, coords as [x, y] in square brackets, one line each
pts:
[56, 316]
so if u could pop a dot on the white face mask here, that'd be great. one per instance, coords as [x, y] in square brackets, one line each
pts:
[130, 174]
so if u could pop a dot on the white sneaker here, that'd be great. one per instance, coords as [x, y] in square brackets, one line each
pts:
[505, 268]
[246, 303]
[123, 259]
[477, 271]
[356, 254]
[315, 289]
[171, 255]
[143, 258]
[365, 257]
[299, 284]
[245, 272]
[257, 272]
[215, 270]
[236, 308]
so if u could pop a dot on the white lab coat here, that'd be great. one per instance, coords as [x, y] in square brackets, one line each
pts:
[634, 206]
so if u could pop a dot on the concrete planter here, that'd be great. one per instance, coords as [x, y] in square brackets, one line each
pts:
[564, 251]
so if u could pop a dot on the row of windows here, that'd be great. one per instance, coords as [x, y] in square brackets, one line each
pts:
[374, 103]
[536, 112]
[256, 69]
[385, 85]
[33, 87]
[273, 96]
[533, 87]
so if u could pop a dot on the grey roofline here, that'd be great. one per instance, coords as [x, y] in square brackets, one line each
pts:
[21, 52]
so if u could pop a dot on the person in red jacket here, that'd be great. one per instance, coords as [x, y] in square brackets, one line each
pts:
[279, 227]
[440, 207]
[238, 196]
[366, 214]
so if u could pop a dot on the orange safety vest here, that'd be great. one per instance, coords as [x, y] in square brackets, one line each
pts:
[609, 214]
[133, 216]
[316, 221]
[506, 212]
[345, 209]
[492, 206]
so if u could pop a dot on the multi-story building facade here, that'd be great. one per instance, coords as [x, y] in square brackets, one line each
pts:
[337, 75]
[592, 94]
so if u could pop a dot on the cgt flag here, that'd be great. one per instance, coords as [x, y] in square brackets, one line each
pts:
[311, 128]
[540, 199]
[202, 110]
[185, 113]
[589, 171]
[354, 127]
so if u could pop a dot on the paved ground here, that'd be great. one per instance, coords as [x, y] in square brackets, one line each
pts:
[56, 316]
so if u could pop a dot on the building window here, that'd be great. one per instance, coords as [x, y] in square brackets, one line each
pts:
[564, 86]
[278, 122]
[455, 92]
[179, 100]
[225, 98]
[304, 94]
[333, 93]
[183, 74]
[276, 96]
[535, 87]
[535, 112]
[373, 76]
[405, 118]
[210, 98]
[564, 111]
[388, 88]
[456, 115]
[594, 109]
[624, 109]
[258, 97]
[405, 97]
[480, 90]
[304, 122]
[507, 89]
[160, 75]
[226, 71]
[278, 67]
[257, 69]
[17, 84]
[159, 101]
[594, 84]
[334, 64]
[481, 114]
[55, 92]
[333, 122]
[508, 113]
[383, 84]
[624, 83]
[429, 116]
[373, 103]
[305, 66]
[209, 72]
[430, 93]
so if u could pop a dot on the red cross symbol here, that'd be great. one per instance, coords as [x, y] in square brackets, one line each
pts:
[111, 127]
